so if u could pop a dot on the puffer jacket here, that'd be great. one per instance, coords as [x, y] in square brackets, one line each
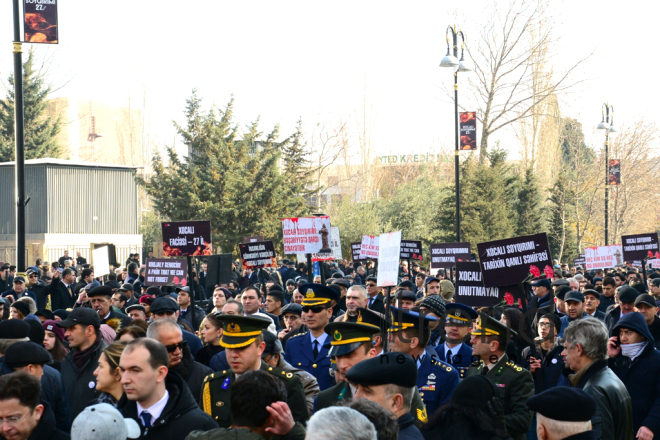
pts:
[641, 376]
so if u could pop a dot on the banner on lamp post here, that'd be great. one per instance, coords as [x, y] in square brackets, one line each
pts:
[614, 172]
[468, 130]
[40, 21]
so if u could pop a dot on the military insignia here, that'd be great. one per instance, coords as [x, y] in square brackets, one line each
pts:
[457, 313]
[427, 387]
[233, 328]
[499, 385]
[421, 415]
[337, 335]
[225, 384]
[310, 294]
[359, 318]
[341, 395]
[431, 376]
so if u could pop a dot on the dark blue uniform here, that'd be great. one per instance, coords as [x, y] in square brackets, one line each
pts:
[436, 381]
[300, 354]
[461, 359]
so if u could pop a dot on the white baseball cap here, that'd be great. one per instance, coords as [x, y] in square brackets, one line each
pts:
[103, 422]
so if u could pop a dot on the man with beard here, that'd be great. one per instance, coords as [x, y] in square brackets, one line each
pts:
[169, 334]
[99, 298]
[454, 350]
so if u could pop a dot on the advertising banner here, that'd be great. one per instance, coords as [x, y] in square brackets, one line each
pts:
[445, 255]
[389, 250]
[257, 255]
[639, 246]
[468, 128]
[603, 257]
[514, 260]
[369, 247]
[307, 235]
[40, 21]
[166, 271]
[615, 172]
[411, 250]
[470, 288]
[192, 238]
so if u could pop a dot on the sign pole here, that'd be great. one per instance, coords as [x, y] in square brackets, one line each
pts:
[322, 272]
[19, 143]
[388, 292]
[310, 268]
[644, 272]
[191, 283]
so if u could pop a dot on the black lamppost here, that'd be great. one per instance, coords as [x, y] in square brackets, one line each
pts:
[607, 124]
[451, 60]
[19, 139]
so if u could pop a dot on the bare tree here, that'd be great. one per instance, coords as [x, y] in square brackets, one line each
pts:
[329, 144]
[511, 57]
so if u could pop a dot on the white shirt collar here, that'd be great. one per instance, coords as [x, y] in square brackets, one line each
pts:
[321, 339]
[156, 409]
[421, 359]
[454, 351]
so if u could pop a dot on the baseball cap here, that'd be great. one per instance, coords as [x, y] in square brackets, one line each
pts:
[103, 422]
[647, 299]
[83, 316]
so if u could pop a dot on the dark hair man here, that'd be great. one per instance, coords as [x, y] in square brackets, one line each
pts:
[22, 413]
[489, 343]
[243, 342]
[160, 402]
[458, 323]
[61, 290]
[185, 308]
[309, 350]
[273, 304]
[119, 299]
[607, 298]
[86, 277]
[627, 296]
[574, 309]
[375, 298]
[647, 306]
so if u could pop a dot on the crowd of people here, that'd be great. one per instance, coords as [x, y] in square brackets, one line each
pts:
[271, 355]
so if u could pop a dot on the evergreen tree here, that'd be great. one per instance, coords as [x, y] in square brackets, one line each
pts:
[529, 207]
[235, 183]
[40, 129]
[561, 234]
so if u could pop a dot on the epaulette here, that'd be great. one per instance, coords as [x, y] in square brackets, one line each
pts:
[514, 366]
[280, 373]
[444, 367]
[216, 375]
[299, 334]
[477, 363]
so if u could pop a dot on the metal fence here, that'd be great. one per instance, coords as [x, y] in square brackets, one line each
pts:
[54, 253]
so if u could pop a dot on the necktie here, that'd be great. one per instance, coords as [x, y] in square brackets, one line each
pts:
[316, 349]
[371, 301]
[484, 371]
[449, 357]
[146, 419]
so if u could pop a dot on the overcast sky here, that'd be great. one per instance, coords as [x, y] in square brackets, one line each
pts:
[285, 60]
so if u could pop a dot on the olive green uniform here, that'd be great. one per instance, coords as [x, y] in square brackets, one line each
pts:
[516, 386]
[216, 394]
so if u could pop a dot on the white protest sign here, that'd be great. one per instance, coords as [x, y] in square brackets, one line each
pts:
[101, 263]
[603, 257]
[307, 235]
[335, 245]
[388, 258]
[369, 248]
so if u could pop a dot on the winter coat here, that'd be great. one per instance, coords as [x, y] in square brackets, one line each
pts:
[17, 296]
[654, 328]
[46, 429]
[641, 376]
[199, 317]
[552, 364]
[80, 385]
[193, 373]
[60, 298]
[40, 289]
[53, 391]
[179, 418]
[297, 433]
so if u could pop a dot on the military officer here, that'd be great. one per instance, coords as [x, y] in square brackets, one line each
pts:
[409, 334]
[243, 342]
[516, 385]
[454, 350]
[309, 350]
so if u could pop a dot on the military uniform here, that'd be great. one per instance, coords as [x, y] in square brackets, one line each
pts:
[436, 381]
[514, 382]
[461, 356]
[239, 332]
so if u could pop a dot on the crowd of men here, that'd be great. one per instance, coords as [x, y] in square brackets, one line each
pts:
[271, 354]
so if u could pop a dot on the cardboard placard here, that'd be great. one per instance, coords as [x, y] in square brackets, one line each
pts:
[257, 255]
[307, 235]
[411, 250]
[603, 257]
[389, 250]
[369, 247]
[639, 246]
[101, 261]
[470, 288]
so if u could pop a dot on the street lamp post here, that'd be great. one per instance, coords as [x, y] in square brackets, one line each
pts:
[607, 124]
[451, 60]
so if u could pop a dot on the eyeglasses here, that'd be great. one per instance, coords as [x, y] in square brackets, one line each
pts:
[371, 285]
[544, 324]
[314, 309]
[172, 348]
[12, 421]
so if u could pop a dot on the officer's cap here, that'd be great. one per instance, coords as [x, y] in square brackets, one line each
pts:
[241, 331]
[347, 337]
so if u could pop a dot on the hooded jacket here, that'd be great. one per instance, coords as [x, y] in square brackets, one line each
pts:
[193, 373]
[179, 418]
[641, 376]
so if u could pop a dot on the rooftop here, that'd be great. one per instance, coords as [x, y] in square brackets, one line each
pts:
[65, 162]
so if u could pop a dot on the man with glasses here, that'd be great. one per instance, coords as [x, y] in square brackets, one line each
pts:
[166, 308]
[182, 362]
[19, 290]
[22, 413]
[375, 299]
[309, 350]
[39, 287]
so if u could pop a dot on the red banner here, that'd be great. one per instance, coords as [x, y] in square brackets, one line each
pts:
[468, 130]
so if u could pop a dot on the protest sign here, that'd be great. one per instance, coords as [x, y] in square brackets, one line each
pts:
[655, 264]
[468, 129]
[637, 247]
[445, 255]
[166, 271]
[307, 235]
[192, 238]
[470, 288]
[411, 250]
[388, 258]
[369, 247]
[579, 261]
[603, 257]
[514, 260]
[257, 255]
[335, 245]
[253, 239]
[101, 260]
[355, 250]
[40, 22]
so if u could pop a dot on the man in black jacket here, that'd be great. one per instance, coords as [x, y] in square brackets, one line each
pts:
[646, 305]
[181, 362]
[161, 403]
[100, 299]
[61, 289]
[375, 299]
[585, 353]
[39, 287]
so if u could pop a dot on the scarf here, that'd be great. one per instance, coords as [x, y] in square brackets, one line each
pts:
[631, 351]
[81, 357]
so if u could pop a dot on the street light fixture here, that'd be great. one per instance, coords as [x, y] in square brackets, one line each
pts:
[607, 124]
[462, 65]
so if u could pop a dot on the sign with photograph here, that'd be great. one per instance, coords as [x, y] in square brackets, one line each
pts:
[446, 255]
[192, 238]
[389, 249]
[335, 245]
[307, 235]
[603, 257]
[470, 288]
[468, 129]
[166, 272]
[615, 172]
[514, 260]
[257, 255]
[40, 21]
[411, 250]
[369, 247]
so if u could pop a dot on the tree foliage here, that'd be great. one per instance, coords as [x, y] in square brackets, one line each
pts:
[40, 128]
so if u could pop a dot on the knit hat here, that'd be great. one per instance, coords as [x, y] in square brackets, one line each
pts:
[108, 334]
[22, 307]
[447, 289]
[435, 304]
[37, 332]
[52, 326]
